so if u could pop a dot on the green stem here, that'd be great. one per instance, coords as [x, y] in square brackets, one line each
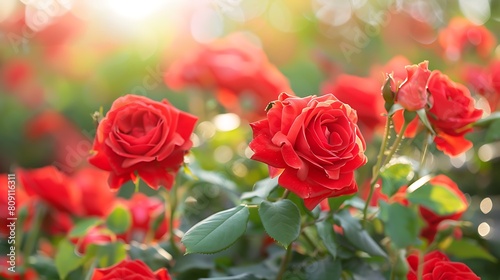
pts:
[376, 168]
[308, 239]
[395, 146]
[173, 208]
[424, 153]
[285, 194]
[31, 241]
[284, 262]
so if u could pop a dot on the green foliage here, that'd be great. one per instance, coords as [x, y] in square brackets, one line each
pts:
[66, 259]
[327, 235]
[83, 226]
[217, 232]
[469, 249]
[401, 224]
[119, 220]
[261, 190]
[281, 220]
[438, 199]
[358, 237]
[394, 177]
[325, 269]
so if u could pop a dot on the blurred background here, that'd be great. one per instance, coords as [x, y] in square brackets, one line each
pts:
[63, 60]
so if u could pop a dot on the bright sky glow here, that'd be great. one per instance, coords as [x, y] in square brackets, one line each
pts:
[134, 9]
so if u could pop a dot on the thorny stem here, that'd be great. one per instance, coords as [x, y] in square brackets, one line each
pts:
[284, 262]
[378, 166]
[173, 207]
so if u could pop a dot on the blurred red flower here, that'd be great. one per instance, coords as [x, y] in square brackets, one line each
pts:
[240, 73]
[146, 211]
[97, 198]
[130, 270]
[142, 137]
[437, 266]
[313, 144]
[95, 235]
[485, 81]
[461, 34]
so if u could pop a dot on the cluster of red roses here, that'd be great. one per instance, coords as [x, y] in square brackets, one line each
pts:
[85, 194]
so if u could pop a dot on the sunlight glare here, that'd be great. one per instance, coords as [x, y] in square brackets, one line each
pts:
[134, 9]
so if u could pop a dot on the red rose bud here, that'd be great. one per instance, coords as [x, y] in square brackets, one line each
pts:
[437, 266]
[412, 93]
[315, 143]
[144, 137]
[130, 270]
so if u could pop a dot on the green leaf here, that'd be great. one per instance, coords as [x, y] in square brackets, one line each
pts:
[336, 202]
[438, 199]
[395, 176]
[493, 133]
[358, 237]
[262, 189]
[487, 122]
[281, 220]
[119, 220]
[325, 269]
[401, 224]
[327, 235]
[66, 260]
[423, 118]
[469, 249]
[82, 227]
[217, 232]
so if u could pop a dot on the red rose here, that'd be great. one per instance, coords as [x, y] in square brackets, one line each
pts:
[363, 95]
[412, 93]
[313, 143]
[97, 198]
[53, 187]
[144, 137]
[238, 70]
[461, 34]
[130, 270]
[451, 114]
[437, 266]
[433, 220]
[145, 210]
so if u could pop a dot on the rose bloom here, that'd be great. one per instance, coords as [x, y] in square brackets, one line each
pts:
[451, 114]
[240, 73]
[313, 144]
[363, 95]
[412, 93]
[144, 137]
[145, 210]
[437, 266]
[130, 270]
[461, 34]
